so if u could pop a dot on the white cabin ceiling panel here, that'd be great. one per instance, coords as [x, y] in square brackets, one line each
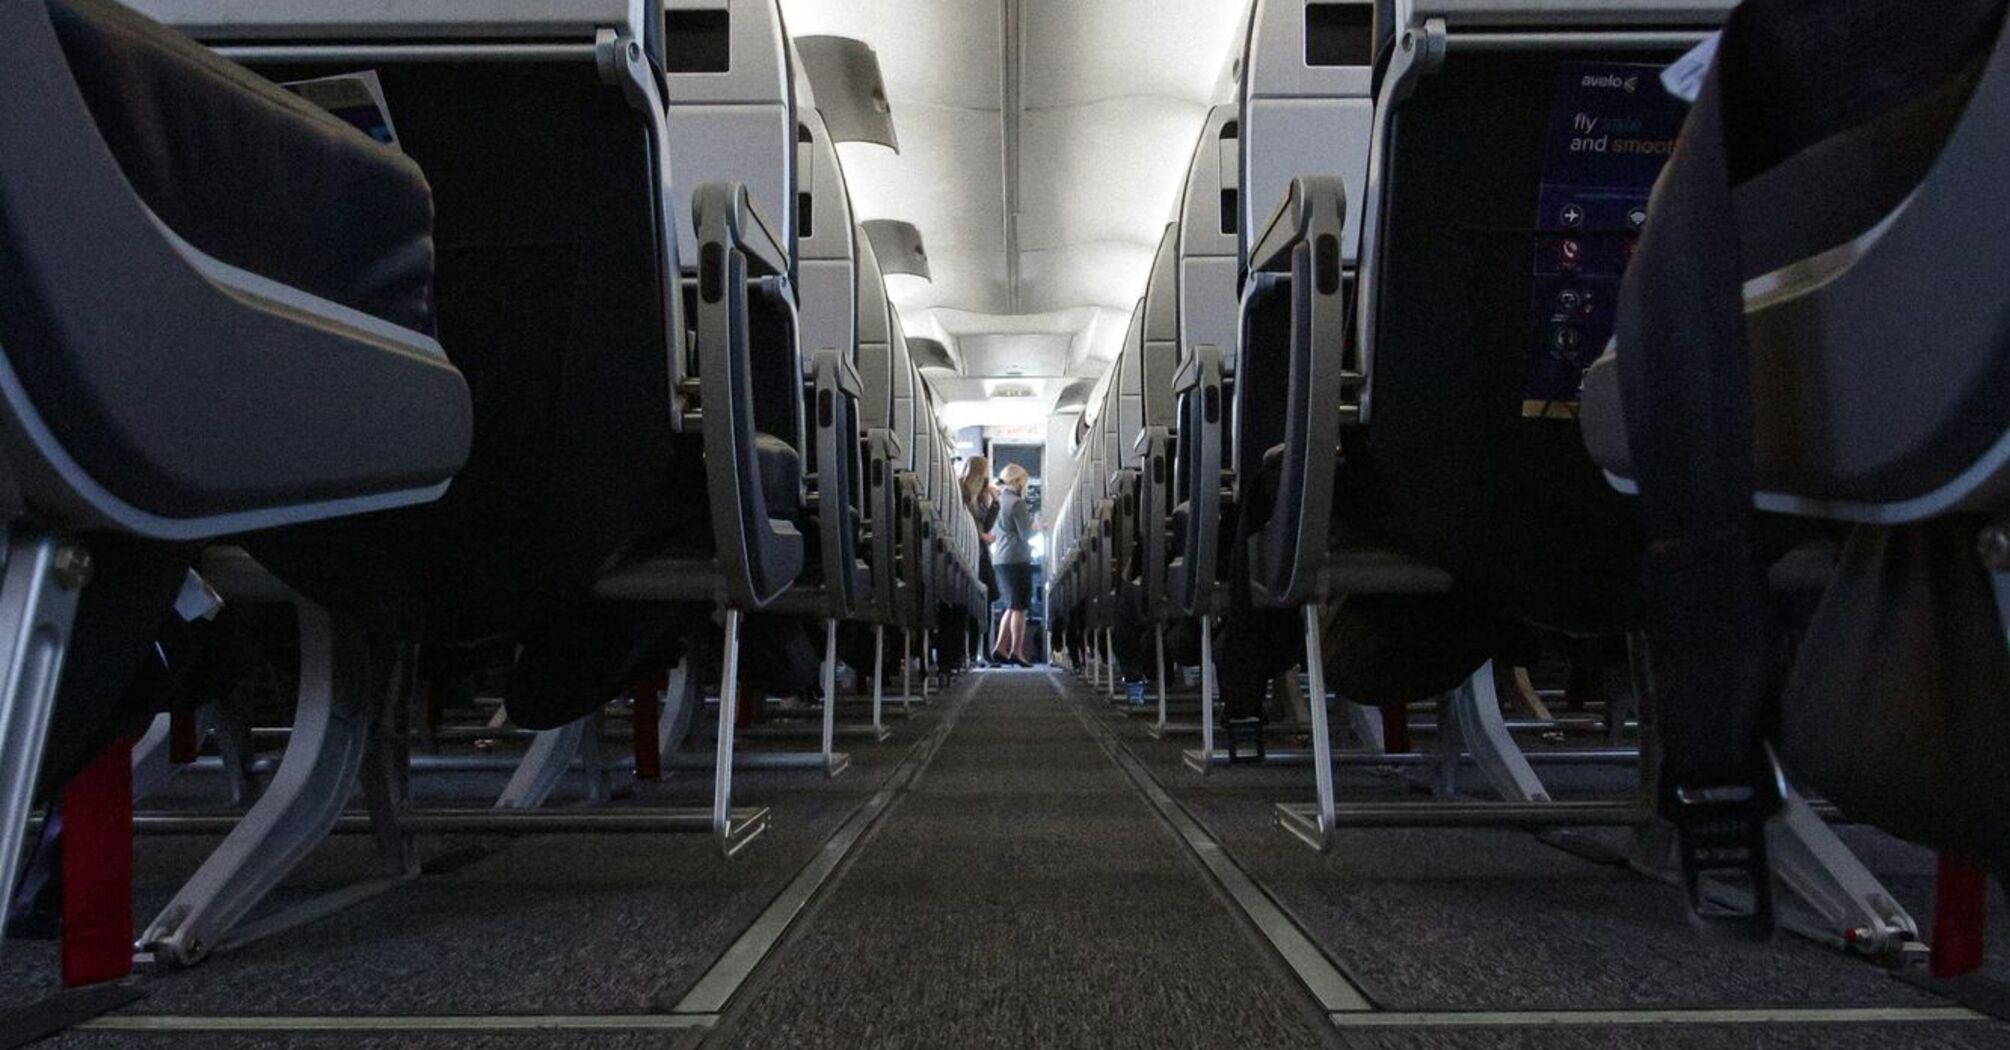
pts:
[1084, 50]
[937, 52]
[1109, 170]
[945, 180]
[1103, 273]
[1111, 92]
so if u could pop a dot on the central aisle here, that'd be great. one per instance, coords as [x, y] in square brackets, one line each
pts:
[1022, 894]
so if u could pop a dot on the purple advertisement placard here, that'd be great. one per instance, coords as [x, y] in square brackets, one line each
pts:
[1611, 129]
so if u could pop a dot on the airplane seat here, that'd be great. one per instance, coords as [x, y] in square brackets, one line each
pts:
[1466, 462]
[173, 321]
[1832, 447]
[555, 313]
[1837, 190]
[207, 146]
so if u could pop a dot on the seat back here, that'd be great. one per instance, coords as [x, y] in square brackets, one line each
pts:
[1128, 421]
[1209, 249]
[1306, 104]
[97, 417]
[905, 399]
[1465, 469]
[1157, 366]
[733, 110]
[1159, 356]
[1840, 430]
[732, 87]
[827, 279]
[875, 338]
[1209, 330]
[555, 291]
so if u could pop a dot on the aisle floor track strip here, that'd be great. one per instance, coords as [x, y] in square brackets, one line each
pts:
[698, 1009]
[1335, 992]
[717, 987]
[1349, 1008]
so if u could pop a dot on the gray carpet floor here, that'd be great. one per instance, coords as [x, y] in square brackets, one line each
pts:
[1022, 894]
[581, 924]
[1437, 919]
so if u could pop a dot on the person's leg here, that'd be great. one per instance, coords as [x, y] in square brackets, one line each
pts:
[1022, 595]
[998, 636]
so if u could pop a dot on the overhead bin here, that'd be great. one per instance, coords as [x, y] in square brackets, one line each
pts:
[850, 91]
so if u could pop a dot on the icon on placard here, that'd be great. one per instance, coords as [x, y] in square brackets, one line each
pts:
[1566, 339]
[1573, 216]
[1636, 216]
[1570, 252]
[1569, 300]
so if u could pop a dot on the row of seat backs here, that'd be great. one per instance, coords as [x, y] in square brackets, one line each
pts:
[1103, 465]
[732, 98]
[1305, 105]
[1508, 506]
[556, 508]
[706, 107]
[1140, 393]
[85, 452]
[930, 457]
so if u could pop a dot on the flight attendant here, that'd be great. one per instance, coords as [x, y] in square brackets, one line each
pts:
[1012, 560]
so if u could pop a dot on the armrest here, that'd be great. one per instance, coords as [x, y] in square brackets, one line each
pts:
[1200, 454]
[836, 391]
[1301, 245]
[1154, 514]
[152, 387]
[758, 555]
[883, 450]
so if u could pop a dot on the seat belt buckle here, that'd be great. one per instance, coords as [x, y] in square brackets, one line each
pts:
[1727, 873]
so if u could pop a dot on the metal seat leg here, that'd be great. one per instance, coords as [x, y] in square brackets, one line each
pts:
[1110, 644]
[545, 763]
[387, 771]
[1207, 699]
[38, 604]
[834, 762]
[1856, 911]
[152, 769]
[340, 697]
[1366, 725]
[732, 835]
[907, 670]
[878, 679]
[1318, 830]
[1472, 718]
[682, 698]
[1159, 643]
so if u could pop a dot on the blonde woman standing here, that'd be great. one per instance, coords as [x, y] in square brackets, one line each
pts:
[980, 497]
[1012, 559]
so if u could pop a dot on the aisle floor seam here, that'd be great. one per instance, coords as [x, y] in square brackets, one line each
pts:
[714, 999]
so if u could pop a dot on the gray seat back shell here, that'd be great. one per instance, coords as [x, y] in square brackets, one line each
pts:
[1845, 427]
[71, 226]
